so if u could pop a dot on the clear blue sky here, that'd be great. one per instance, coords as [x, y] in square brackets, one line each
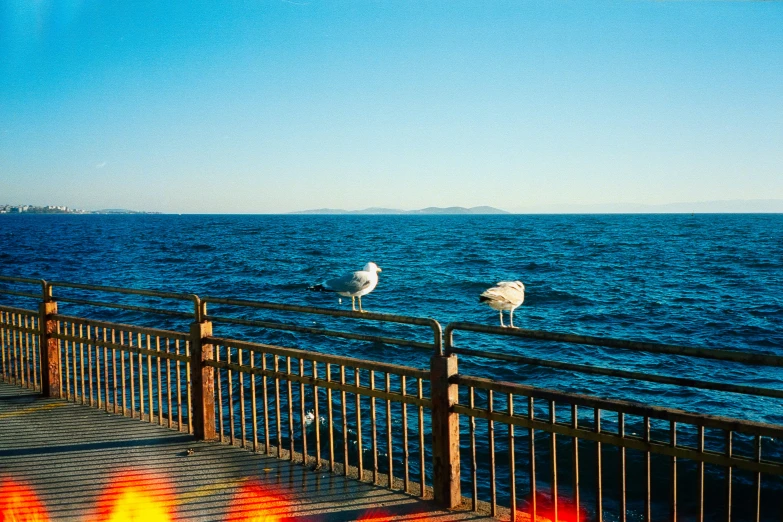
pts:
[286, 105]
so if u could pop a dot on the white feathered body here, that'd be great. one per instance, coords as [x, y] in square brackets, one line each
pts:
[355, 284]
[506, 295]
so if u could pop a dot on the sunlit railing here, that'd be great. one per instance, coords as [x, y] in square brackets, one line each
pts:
[515, 450]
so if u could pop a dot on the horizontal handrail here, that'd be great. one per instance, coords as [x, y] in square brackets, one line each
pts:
[369, 316]
[198, 307]
[296, 353]
[626, 374]
[171, 334]
[320, 331]
[704, 353]
[132, 308]
[633, 408]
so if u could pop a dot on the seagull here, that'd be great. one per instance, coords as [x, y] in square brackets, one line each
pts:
[506, 295]
[353, 285]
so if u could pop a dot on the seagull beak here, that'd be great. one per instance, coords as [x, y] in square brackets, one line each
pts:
[379, 270]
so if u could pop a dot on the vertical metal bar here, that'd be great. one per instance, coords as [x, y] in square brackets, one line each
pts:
[242, 418]
[36, 324]
[66, 344]
[575, 425]
[81, 363]
[374, 431]
[279, 421]
[28, 359]
[149, 374]
[492, 484]
[623, 503]
[219, 387]
[553, 457]
[422, 468]
[473, 463]
[359, 447]
[122, 376]
[178, 371]
[290, 409]
[230, 392]
[512, 461]
[700, 478]
[132, 379]
[303, 411]
[98, 367]
[389, 445]
[673, 489]
[729, 453]
[253, 403]
[141, 378]
[89, 362]
[115, 388]
[267, 443]
[105, 370]
[531, 414]
[330, 416]
[599, 504]
[188, 391]
[405, 449]
[757, 477]
[150, 399]
[317, 419]
[168, 383]
[59, 359]
[3, 367]
[345, 421]
[647, 480]
[160, 381]
[15, 334]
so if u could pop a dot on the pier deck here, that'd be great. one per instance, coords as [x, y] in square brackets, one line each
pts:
[70, 454]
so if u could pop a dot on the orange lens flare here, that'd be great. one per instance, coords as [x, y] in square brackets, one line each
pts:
[256, 503]
[18, 503]
[545, 512]
[135, 497]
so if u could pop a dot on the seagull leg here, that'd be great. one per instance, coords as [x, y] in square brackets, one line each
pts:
[511, 315]
[353, 303]
[360, 304]
[500, 313]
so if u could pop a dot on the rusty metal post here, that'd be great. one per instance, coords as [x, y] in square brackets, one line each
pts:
[445, 432]
[202, 381]
[49, 349]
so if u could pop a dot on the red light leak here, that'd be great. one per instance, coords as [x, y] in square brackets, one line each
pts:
[133, 496]
[256, 503]
[18, 503]
[566, 510]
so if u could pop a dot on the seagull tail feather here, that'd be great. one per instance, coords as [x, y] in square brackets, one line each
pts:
[319, 288]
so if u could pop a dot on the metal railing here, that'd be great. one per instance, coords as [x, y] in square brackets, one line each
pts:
[299, 407]
[656, 439]
[430, 432]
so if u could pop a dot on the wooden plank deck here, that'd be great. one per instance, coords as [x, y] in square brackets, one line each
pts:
[71, 456]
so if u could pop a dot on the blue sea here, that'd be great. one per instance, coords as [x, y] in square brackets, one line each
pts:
[701, 280]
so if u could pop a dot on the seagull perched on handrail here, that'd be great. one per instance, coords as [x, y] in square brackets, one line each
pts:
[353, 285]
[506, 295]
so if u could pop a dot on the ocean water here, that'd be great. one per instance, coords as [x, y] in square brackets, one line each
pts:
[701, 280]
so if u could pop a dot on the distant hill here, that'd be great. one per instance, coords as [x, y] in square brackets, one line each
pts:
[423, 211]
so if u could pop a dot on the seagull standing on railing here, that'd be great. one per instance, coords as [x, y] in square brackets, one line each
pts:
[506, 295]
[353, 285]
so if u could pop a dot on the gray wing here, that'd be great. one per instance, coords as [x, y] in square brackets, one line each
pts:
[349, 283]
[512, 292]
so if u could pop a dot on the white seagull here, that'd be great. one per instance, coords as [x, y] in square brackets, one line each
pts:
[353, 285]
[506, 295]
